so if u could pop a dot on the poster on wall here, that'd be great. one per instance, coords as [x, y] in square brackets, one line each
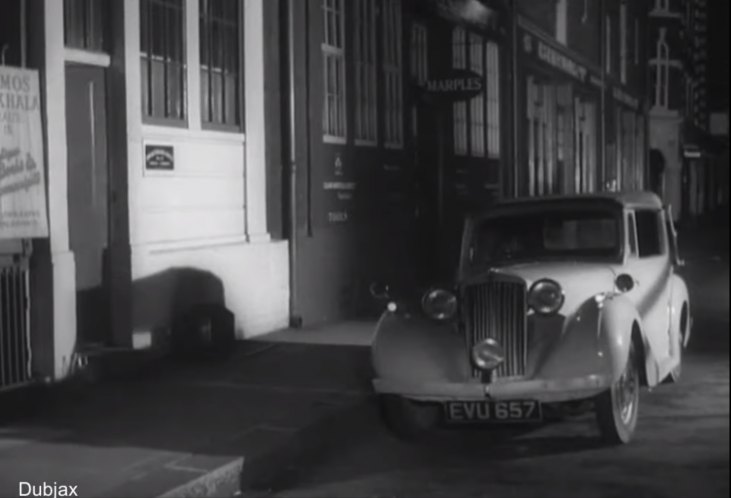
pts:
[23, 211]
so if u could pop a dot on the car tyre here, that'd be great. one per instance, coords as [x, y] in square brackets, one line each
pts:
[617, 408]
[407, 419]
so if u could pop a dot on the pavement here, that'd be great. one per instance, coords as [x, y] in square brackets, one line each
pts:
[187, 429]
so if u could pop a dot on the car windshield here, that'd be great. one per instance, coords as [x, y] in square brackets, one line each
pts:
[548, 234]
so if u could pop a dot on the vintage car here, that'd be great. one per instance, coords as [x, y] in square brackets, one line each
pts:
[559, 303]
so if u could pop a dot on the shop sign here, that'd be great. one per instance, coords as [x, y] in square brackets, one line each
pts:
[23, 205]
[457, 85]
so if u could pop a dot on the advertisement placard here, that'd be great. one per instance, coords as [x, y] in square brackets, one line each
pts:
[23, 212]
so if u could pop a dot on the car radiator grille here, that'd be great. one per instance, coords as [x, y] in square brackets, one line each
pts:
[497, 309]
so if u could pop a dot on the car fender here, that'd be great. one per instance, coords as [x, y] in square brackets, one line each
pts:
[618, 320]
[566, 346]
[680, 297]
[410, 347]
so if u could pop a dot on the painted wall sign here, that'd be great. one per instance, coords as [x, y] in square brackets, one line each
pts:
[342, 200]
[23, 204]
[454, 86]
[159, 157]
[547, 54]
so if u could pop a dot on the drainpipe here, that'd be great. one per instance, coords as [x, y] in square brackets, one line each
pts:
[294, 318]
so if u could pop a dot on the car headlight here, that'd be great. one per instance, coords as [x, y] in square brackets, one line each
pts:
[545, 297]
[439, 304]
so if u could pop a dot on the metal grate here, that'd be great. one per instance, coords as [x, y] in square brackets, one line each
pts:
[15, 349]
[497, 309]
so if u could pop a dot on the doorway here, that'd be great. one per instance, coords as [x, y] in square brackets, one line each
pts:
[86, 131]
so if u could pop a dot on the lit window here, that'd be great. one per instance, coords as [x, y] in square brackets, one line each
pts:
[220, 62]
[162, 52]
[393, 74]
[366, 73]
[333, 60]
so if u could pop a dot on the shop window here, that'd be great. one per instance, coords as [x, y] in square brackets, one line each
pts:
[459, 113]
[419, 67]
[585, 140]
[333, 60]
[543, 145]
[623, 42]
[477, 104]
[366, 74]
[163, 68]
[393, 74]
[493, 100]
[85, 24]
[637, 43]
[476, 125]
[608, 45]
[220, 59]
[564, 138]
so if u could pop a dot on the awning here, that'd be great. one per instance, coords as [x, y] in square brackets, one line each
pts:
[698, 143]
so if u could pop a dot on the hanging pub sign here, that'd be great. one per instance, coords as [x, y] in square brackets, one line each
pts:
[454, 86]
[23, 212]
[480, 14]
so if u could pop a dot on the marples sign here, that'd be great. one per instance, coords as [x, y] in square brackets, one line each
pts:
[457, 85]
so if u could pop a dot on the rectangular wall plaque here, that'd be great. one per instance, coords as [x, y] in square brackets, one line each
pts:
[159, 157]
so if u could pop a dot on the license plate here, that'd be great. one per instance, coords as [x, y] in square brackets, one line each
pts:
[493, 411]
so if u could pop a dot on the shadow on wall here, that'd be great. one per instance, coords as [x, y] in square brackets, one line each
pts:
[159, 298]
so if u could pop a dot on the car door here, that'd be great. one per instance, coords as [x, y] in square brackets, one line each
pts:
[651, 268]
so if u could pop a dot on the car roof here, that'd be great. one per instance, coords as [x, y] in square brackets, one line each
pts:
[628, 200]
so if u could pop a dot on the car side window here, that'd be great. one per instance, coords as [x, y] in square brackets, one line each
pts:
[632, 234]
[649, 240]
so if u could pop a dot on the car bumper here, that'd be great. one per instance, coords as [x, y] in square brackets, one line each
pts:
[546, 391]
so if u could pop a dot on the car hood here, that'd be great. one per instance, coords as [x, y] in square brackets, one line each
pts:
[579, 281]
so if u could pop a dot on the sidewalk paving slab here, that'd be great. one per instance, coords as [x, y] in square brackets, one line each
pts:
[195, 430]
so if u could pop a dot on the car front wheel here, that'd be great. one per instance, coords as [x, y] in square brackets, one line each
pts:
[408, 420]
[617, 408]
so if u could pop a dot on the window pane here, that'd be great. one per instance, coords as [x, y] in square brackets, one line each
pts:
[84, 24]
[219, 55]
[162, 50]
